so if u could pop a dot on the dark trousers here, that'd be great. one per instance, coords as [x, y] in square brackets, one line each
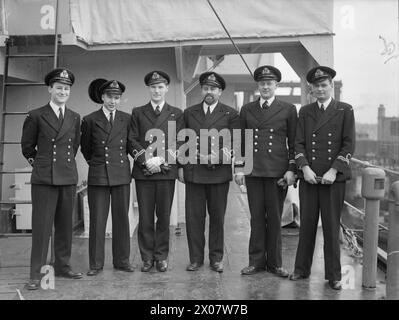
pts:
[200, 197]
[154, 196]
[266, 201]
[328, 199]
[51, 204]
[99, 202]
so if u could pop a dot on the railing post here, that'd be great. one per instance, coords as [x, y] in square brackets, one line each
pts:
[373, 190]
[392, 287]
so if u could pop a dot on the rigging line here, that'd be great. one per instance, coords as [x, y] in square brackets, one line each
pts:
[231, 39]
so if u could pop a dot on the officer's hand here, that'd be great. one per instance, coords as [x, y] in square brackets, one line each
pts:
[155, 170]
[309, 175]
[329, 177]
[289, 177]
[180, 175]
[239, 178]
[154, 163]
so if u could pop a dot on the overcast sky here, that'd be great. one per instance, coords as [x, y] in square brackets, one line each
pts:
[367, 66]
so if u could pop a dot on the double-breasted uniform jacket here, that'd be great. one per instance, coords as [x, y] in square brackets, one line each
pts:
[222, 117]
[326, 142]
[106, 149]
[273, 137]
[52, 148]
[145, 119]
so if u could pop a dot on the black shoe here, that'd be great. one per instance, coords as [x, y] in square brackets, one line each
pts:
[295, 276]
[33, 284]
[249, 270]
[93, 272]
[162, 265]
[126, 268]
[147, 266]
[278, 271]
[194, 266]
[69, 274]
[336, 285]
[217, 266]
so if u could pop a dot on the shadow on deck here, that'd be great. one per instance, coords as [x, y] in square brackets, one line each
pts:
[177, 283]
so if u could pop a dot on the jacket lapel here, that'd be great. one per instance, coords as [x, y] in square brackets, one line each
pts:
[271, 111]
[330, 112]
[102, 121]
[67, 124]
[256, 111]
[216, 114]
[50, 117]
[198, 114]
[149, 113]
[163, 116]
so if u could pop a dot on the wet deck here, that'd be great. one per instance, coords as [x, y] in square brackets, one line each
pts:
[178, 283]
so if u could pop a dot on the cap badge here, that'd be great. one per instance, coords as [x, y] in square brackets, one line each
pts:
[265, 71]
[64, 74]
[318, 73]
[155, 76]
[212, 77]
[114, 84]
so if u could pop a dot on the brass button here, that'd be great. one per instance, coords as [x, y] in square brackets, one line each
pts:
[102, 142]
[69, 153]
[313, 135]
[313, 142]
[54, 146]
[69, 160]
[54, 160]
[69, 147]
[313, 150]
[271, 130]
[313, 158]
[270, 150]
[256, 130]
[256, 137]
[329, 134]
[255, 143]
[270, 143]
[107, 162]
[329, 142]
[256, 150]
[329, 158]
[106, 148]
[121, 148]
[121, 161]
[271, 137]
[52, 140]
[329, 150]
[106, 154]
[54, 152]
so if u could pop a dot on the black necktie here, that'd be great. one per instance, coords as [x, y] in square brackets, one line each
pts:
[265, 105]
[157, 111]
[208, 111]
[111, 119]
[60, 117]
[322, 108]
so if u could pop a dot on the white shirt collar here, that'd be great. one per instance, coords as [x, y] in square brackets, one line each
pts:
[155, 105]
[107, 113]
[56, 108]
[211, 107]
[269, 101]
[325, 103]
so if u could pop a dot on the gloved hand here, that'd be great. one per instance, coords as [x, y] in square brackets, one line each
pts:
[154, 163]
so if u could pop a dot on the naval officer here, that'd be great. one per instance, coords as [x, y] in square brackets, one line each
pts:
[106, 144]
[50, 140]
[274, 124]
[154, 177]
[207, 181]
[325, 142]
